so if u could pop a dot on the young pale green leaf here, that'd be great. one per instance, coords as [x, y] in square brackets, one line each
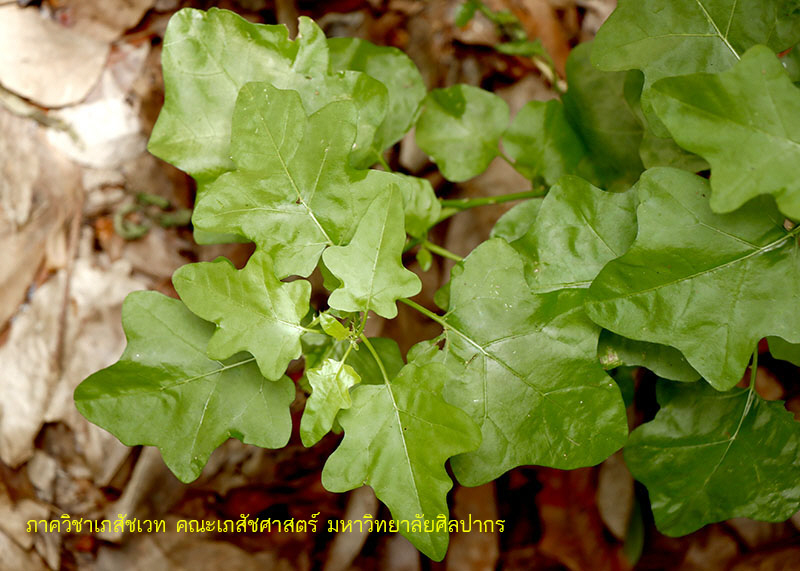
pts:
[596, 108]
[293, 191]
[554, 406]
[371, 266]
[709, 284]
[665, 39]
[396, 71]
[398, 436]
[253, 310]
[203, 71]
[542, 142]
[333, 327]
[424, 259]
[784, 350]
[164, 391]
[209, 56]
[667, 362]
[746, 123]
[515, 223]
[330, 384]
[460, 128]
[710, 456]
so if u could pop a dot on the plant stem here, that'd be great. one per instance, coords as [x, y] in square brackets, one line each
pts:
[375, 356]
[383, 163]
[754, 369]
[426, 312]
[441, 251]
[465, 203]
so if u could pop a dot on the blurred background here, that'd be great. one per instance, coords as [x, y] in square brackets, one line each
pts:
[87, 216]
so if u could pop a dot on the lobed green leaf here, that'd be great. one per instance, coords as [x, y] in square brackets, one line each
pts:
[398, 435]
[370, 267]
[746, 123]
[596, 108]
[164, 391]
[689, 266]
[710, 456]
[542, 142]
[330, 384]
[253, 310]
[460, 128]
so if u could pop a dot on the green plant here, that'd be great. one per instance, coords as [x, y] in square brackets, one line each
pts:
[664, 269]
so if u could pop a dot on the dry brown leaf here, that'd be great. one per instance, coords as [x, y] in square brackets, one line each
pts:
[44, 62]
[38, 194]
[572, 528]
[615, 495]
[106, 129]
[104, 20]
[474, 551]
[37, 388]
[347, 544]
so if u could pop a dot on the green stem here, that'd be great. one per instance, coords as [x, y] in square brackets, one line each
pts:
[465, 203]
[426, 312]
[375, 356]
[441, 251]
[411, 243]
[383, 163]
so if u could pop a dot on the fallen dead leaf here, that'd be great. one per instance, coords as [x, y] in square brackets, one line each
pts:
[38, 194]
[104, 20]
[37, 388]
[45, 62]
[105, 129]
[572, 528]
[474, 551]
[615, 495]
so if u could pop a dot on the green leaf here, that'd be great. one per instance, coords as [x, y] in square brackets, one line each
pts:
[515, 223]
[371, 265]
[542, 142]
[784, 350]
[370, 269]
[392, 68]
[666, 362]
[398, 436]
[165, 392]
[596, 108]
[554, 406]
[665, 39]
[422, 208]
[253, 311]
[293, 192]
[709, 284]
[746, 123]
[710, 456]
[657, 151]
[333, 327]
[578, 230]
[424, 259]
[209, 56]
[330, 393]
[526, 48]
[460, 128]
[364, 363]
[203, 71]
